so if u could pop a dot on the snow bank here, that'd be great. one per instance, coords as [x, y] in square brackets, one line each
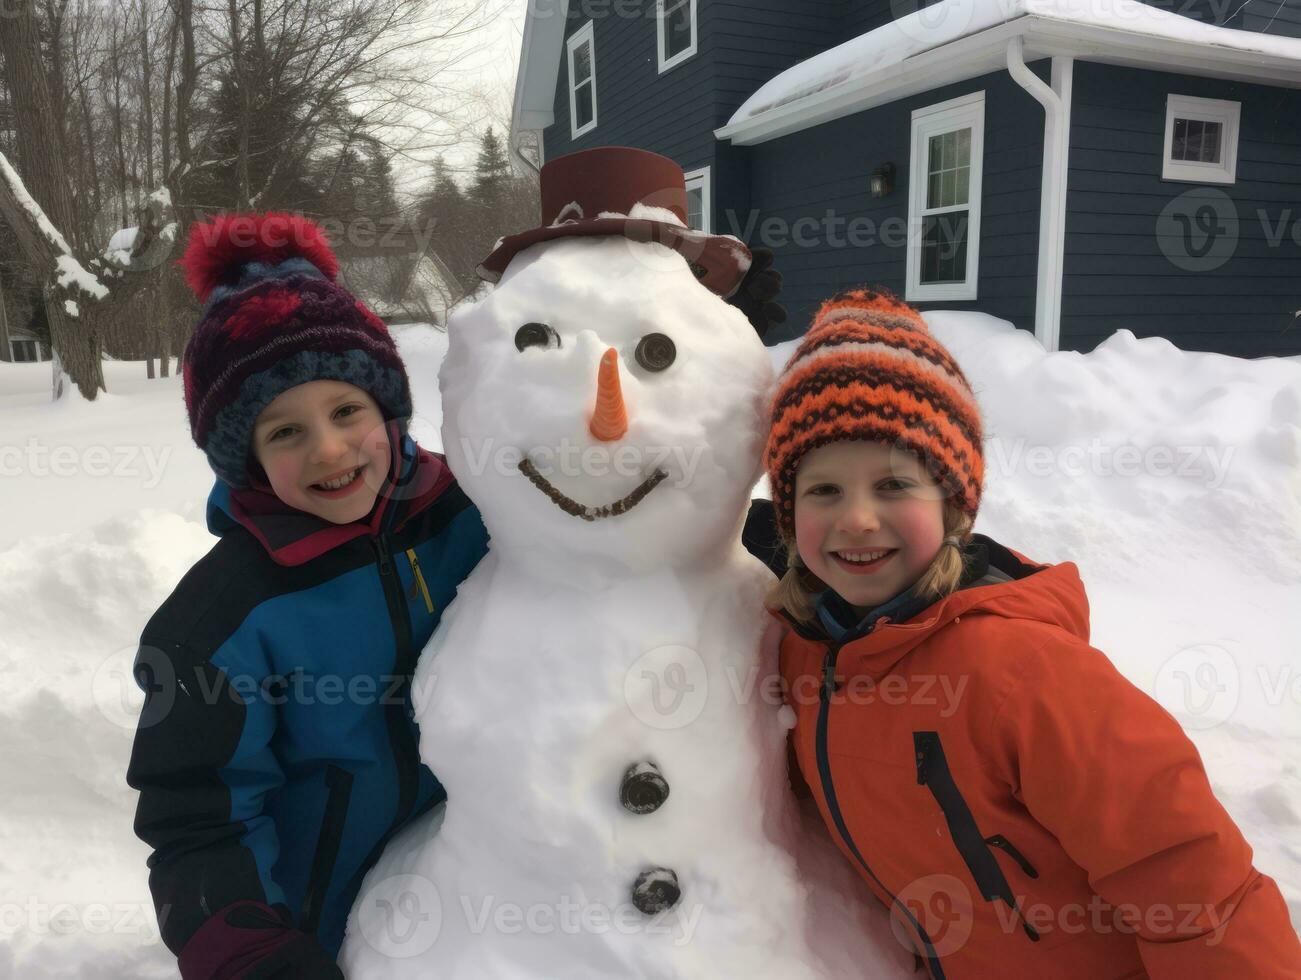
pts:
[949, 20]
[1192, 575]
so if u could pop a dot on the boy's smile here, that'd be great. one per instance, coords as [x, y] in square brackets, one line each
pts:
[325, 449]
[868, 519]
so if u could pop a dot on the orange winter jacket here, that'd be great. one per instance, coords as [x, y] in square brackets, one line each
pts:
[1021, 809]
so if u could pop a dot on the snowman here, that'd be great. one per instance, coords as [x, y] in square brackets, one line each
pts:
[595, 700]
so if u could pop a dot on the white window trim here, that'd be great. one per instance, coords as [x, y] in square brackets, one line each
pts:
[584, 35]
[703, 179]
[681, 56]
[13, 347]
[1223, 111]
[959, 113]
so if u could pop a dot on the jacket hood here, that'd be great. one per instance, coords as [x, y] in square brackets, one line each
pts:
[294, 537]
[999, 582]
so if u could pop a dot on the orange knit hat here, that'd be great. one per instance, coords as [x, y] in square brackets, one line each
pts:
[869, 369]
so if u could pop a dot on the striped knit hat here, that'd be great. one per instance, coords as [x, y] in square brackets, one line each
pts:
[274, 319]
[869, 369]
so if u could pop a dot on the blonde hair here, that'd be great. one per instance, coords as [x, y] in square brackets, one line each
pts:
[941, 578]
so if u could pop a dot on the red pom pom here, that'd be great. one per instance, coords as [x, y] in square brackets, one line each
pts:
[219, 249]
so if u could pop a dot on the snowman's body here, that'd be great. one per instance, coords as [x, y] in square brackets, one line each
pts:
[580, 648]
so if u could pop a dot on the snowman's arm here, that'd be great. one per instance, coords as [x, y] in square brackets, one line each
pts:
[760, 536]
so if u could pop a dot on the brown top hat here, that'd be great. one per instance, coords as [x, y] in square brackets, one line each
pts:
[593, 192]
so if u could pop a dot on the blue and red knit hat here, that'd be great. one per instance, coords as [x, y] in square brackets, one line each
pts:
[274, 318]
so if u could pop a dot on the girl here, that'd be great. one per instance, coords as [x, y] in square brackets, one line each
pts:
[1021, 809]
[276, 752]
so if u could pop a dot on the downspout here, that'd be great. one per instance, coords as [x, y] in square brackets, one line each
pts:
[1056, 100]
[527, 165]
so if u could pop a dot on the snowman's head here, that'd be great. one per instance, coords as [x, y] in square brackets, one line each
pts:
[600, 404]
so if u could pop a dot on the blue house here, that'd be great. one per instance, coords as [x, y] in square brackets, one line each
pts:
[1072, 166]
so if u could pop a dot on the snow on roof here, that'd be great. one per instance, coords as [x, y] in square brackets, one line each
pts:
[949, 20]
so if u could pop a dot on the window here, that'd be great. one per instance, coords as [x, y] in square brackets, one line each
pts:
[1201, 140]
[24, 350]
[582, 81]
[944, 199]
[676, 30]
[699, 203]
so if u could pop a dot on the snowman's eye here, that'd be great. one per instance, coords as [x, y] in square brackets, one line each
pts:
[536, 335]
[656, 352]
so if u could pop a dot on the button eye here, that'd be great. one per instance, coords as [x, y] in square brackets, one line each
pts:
[656, 352]
[536, 335]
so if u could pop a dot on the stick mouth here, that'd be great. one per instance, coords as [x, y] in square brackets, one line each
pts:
[584, 511]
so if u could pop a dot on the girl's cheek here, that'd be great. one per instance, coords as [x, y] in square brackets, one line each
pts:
[810, 530]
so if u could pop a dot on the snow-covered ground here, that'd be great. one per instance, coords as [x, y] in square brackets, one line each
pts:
[1173, 479]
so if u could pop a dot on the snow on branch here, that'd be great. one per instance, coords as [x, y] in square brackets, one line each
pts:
[70, 273]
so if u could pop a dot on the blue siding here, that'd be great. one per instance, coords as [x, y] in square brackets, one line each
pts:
[803, 176]
[1282, 17]
[672, 114]
[741, 45]
[1116, 271]
[862, 16]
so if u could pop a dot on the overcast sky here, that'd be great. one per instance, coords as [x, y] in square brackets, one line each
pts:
[481, 84]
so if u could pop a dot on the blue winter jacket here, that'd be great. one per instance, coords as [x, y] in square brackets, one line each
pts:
[276, 752]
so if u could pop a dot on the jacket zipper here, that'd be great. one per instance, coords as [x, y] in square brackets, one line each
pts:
[339, 782]
[419, 580]
[828, 687]
[1005, 845]
[933, 773]
[401, 738]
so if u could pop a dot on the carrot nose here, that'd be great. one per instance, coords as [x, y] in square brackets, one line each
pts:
[610, 420]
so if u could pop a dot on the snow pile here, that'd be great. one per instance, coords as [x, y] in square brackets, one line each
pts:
[1192, 576]
[948, 20]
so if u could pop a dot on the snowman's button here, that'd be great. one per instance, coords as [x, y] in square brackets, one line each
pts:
[644, 789]
[656, 890]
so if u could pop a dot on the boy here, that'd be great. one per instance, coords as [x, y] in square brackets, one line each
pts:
[277, 752]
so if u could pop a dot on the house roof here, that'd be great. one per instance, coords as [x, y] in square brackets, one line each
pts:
[958, 39]
[539, 68]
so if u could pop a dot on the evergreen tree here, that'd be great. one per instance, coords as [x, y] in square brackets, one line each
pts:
[492, 177]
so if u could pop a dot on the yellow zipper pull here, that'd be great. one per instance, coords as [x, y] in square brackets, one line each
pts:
[419, 579]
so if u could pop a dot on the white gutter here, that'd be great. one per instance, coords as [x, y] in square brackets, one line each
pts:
[539, 73]
[1056, 100]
